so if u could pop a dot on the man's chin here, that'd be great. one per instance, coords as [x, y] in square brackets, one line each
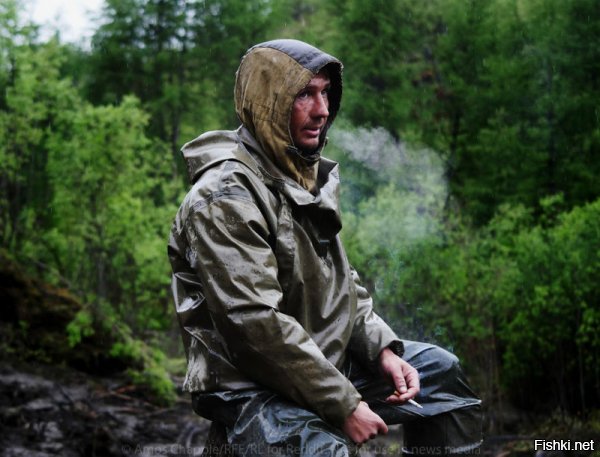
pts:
[308, 151]
[309, 146]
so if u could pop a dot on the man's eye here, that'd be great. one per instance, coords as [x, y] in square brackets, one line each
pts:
[302, 95]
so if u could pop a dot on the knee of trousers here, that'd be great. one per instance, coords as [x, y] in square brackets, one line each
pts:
[447, 359]
[442, 364]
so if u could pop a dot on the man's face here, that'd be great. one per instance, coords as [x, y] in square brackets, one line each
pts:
[310, 113]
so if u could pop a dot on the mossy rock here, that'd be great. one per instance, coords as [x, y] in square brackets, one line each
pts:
[33, 321]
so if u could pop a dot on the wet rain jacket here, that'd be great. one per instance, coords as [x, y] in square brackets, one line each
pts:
[263, 290]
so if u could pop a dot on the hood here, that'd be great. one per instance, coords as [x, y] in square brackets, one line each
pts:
[270, 76]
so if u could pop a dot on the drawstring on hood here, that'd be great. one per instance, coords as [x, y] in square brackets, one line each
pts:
[270, 76]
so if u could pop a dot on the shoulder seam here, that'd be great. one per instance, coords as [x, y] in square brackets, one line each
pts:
[233, 194]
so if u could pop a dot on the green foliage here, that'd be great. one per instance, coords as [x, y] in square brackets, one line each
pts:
[178, 57]
[483, 83]
[155, 378]
[113, 246]
[526, 292]
[148, 369]
[83, 191]
[377, 60]
[513, 91]
[470, 190]
[145, 363]
[80, 327]
[559, 319]
[34, 100]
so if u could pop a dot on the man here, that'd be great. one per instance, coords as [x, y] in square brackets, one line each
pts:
[284, 349]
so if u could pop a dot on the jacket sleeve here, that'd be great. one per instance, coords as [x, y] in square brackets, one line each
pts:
[236, 264]
[370, 334]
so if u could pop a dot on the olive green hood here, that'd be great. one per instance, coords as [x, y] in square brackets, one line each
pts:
[270, 76]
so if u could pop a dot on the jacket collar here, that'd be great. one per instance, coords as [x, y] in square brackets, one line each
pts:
[327, 175]
[323, 205]
[214, 147]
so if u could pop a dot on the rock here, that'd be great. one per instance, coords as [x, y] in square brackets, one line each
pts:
[45, 410]
[33, 325]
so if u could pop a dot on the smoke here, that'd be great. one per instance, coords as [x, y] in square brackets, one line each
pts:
[411, 178]
[390, 227]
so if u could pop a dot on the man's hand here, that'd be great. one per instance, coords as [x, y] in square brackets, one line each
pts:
[363, 424]
[404, 377]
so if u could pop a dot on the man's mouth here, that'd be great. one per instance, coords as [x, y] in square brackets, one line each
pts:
[313, 131]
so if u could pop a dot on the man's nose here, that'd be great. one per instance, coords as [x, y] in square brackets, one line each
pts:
[320, 106]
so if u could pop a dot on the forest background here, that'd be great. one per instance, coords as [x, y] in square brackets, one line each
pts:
[469, 142]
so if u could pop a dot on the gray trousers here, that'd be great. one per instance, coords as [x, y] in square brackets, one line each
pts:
[261, 423]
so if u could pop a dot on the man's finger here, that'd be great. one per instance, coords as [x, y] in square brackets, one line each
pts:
[400, 384]
[383, 428]
[412, 378]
